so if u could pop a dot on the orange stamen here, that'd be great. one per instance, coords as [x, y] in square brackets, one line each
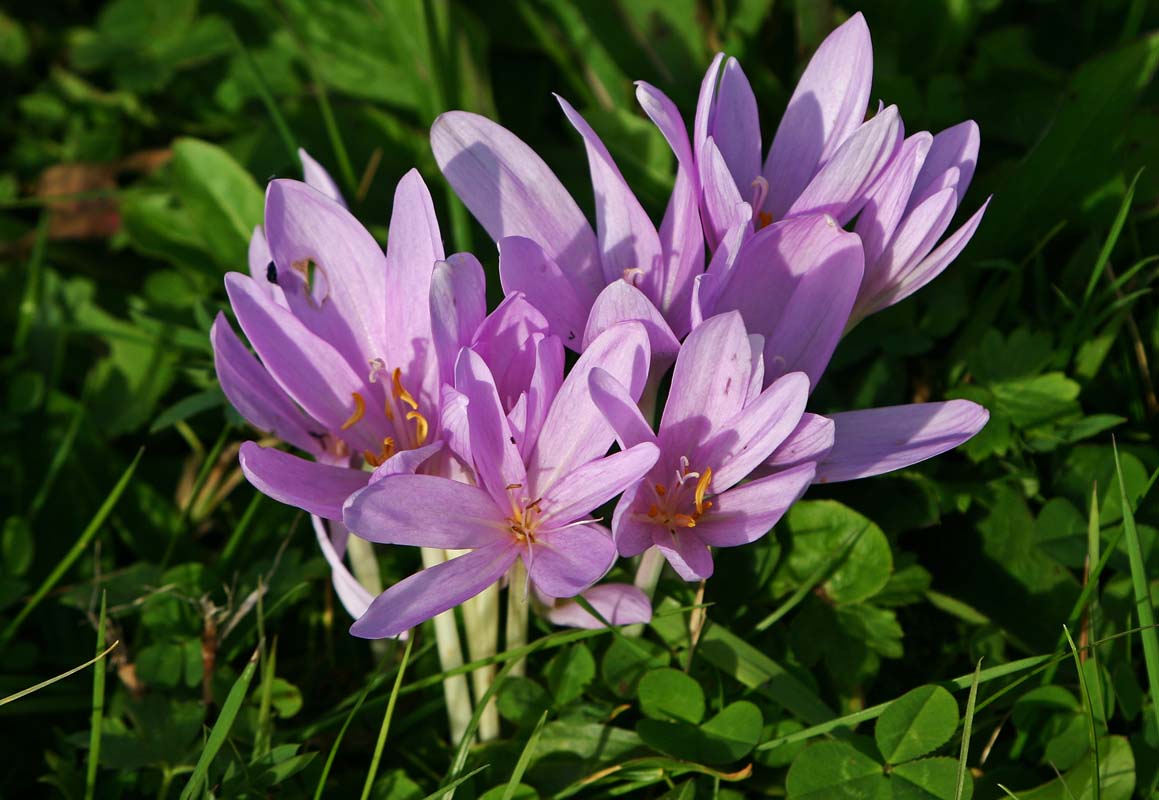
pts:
[766, 218]
[359, 411]
[701, 488]
[400, 393]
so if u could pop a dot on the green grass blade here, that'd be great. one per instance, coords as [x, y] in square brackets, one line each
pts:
[98, 705]
[1096, 783]
[967, 727]
[29, 302]
[1112, 238]
[442, 790]
[73, 554]
[469, 735]
[1143, 602]
[12, 698]
[524, 758]
[221, 728]
[265, 698]
[819, 574]
[267, 97]
[381, 743]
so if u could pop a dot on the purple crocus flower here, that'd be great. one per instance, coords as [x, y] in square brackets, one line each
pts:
[532, 508]
[718, 426]
[582, 280]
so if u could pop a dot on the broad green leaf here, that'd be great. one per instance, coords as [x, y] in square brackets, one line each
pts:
[522, 701]
[928, 779]
[223, 200]
[1038, 400]
[733, 733]
[626, 661]
[1117, 768]
[669, 694]
[569, 672]
[835, 771]
[819, 528]
[918, 722]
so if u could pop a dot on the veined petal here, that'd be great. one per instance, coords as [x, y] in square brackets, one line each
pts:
[513, 193]
[619, 409]
[255, 395]
[842, 186]
[747, 512]
[735, 126]
[722, 206]
[956, 146]
[412, 250]
[432, 591]
[879, 440]
[259, 263]
[914, 239]
[525, 267]
[705, 103]
[664, 114]
[811, 441]
[352, 594]
[425, 511]
[628, 239]
[589, 486]
[889, 199]
[307, 368]
[756, 432]
[455, 427]
[631, 534]
[329, 267]
[316, 176]
[826, 107]
[508, 340]
[544, 385]
[620, 302]
[318, 488]
[685, 552]
[564, 562]
[575, 432]
[498, 464]
[458, 305]
[618, 603]
[708, 386]
[406, 462]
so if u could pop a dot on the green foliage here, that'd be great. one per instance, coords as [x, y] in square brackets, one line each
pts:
[162, 121]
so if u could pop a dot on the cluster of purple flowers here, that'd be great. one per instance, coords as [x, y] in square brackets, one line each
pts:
[431, 422]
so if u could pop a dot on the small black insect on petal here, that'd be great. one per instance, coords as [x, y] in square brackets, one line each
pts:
[272, 272]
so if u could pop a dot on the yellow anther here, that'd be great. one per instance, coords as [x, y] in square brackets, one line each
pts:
[371, 458]
[684, 521]
[400, 393]
[359, 411]
[422, 428]
[701, 488]
[660, 490]
[654, 511]
[380, 458]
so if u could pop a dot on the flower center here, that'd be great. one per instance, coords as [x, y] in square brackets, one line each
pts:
[400, 408]
[761, 218]
[685, 503]
[524, 519]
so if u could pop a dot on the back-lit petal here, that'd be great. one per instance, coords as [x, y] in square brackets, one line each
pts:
[318, 488]
[425, 511]
[616, 603]
[736, 127]
[316, 176]
[619, 409]
[685, 552]
[352, 594]
[747, 512]
[495, 451]
[458, 305]
[621, 302]
[811, 440]
[565, 562]
[588, 487]
[525, 267]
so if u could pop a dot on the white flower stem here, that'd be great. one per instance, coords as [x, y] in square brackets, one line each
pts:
[481, 623]
[364, 565]
[455, 689]
[647, 576]
[517, 608]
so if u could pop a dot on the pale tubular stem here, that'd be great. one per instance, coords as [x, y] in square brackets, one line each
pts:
[647, 576]
[481, 623]
[364, 565]
[455, 690]
[517, 608]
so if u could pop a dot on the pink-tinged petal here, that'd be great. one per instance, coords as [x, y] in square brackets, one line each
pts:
[412, 250]
[914, 238]
[709, 385]
[254, 394]
[513, 193]
[955, 147]
[544, 385]
[432, 591]
[458, 305]
[575, 432]
[947, 180]
[406, 462]
[344, 302]
[307, 368]
[493, 447]
[425, 511]
[794, 282]
[879, 440]
[621, 302]
[842, 186]
[352, 594]
[929, 268]
[757, 362]
[262, 268]
[705, 103]
[631, 530]
[455, 427]
[508, 340]
[564, 562]
[627, 237]
[664, 114]
[752, 436]
[318, 488]
[620, 410]
[617, 603]
[685, 552]
[316, 176]
[826, 107]
[590, 486]
[810, 441]
[525, 267]
[745, 513]
[722, 206]
[890, 198]
[735, 126]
